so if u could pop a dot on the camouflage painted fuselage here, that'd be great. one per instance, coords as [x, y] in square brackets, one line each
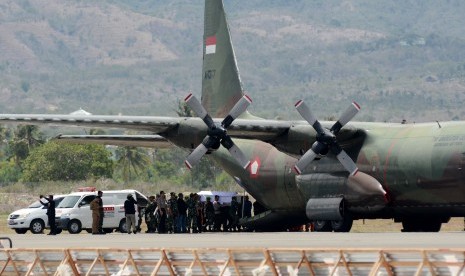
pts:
[420, 166]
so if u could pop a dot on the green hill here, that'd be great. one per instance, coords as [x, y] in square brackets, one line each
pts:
[398, 59]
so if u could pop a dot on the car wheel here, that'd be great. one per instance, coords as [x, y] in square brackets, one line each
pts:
[122, 226]
[74, 227]
[20, 230]
[37, 226]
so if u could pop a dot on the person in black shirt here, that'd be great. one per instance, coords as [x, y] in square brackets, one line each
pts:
[50, 213]
[182, 214]
[247, 208]
[130, 213]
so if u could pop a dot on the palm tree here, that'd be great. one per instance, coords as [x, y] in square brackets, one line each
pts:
[5, 135]
[3, 141]
[26, 137]
[131, 161]
[184, 110]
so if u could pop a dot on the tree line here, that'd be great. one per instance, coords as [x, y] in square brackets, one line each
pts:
[27, 156]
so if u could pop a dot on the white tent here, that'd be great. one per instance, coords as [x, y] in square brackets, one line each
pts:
[225, 197]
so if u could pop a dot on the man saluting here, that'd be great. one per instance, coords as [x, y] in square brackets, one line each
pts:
[50, 213]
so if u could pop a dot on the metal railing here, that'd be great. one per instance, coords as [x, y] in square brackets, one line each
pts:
[237, 261]
[5, 239]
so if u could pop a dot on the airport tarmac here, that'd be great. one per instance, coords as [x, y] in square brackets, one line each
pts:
[441, 240]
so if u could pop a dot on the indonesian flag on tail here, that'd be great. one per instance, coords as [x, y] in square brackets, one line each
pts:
[210, 45]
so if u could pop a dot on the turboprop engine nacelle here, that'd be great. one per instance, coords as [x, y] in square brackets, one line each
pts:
[325, 208]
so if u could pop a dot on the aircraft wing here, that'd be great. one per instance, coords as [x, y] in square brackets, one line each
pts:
[149, 141]
[241, 128]
[143, 123]
[288, 136]
[265, 130]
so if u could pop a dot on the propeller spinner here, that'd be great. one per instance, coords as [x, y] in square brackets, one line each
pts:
[326, 139]
[217, 133]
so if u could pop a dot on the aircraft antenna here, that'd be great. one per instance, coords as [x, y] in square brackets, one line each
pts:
[438, 124]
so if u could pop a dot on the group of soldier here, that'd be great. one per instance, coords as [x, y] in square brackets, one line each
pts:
[189, 214]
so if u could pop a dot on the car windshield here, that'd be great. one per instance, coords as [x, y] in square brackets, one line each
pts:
[68, 202]
[36, 204]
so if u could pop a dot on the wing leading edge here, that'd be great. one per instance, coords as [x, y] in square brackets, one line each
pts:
[142, 123]
[148, 141]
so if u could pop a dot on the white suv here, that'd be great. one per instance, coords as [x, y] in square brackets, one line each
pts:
[74, 214]
[33, 218]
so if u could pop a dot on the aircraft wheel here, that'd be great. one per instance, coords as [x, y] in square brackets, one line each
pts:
[343, 225]
[421, 225]
[433, 226]
[322, 226]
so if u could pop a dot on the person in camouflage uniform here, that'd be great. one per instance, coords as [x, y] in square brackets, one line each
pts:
[233, 215]
[209, 215]
[150, 215]
[140, 215]
[192, 213]
[172, 213]
[188, 200]
[200, 214]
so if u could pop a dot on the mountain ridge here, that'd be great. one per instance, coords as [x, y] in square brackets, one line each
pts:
[401, 59]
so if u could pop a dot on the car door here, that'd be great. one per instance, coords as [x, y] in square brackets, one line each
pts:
[83, 212]
[109, 219]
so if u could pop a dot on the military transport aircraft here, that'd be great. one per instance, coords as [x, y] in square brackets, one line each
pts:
[330, 173]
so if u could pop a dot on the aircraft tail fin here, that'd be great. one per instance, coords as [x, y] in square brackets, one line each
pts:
[221, 84]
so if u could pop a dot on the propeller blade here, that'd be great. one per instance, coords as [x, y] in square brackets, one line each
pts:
[304, 161]
[239, 108]
[228, 143]
[199, 110]
[239, 156]
[307, 114]
[347, 162]
[217, 134]
[194, 158]
[350, 112]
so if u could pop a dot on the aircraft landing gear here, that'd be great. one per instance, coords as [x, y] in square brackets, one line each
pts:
[421, 225]
[322, 226]
[343, 225]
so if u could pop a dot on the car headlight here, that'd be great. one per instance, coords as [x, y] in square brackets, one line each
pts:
[23, 216]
